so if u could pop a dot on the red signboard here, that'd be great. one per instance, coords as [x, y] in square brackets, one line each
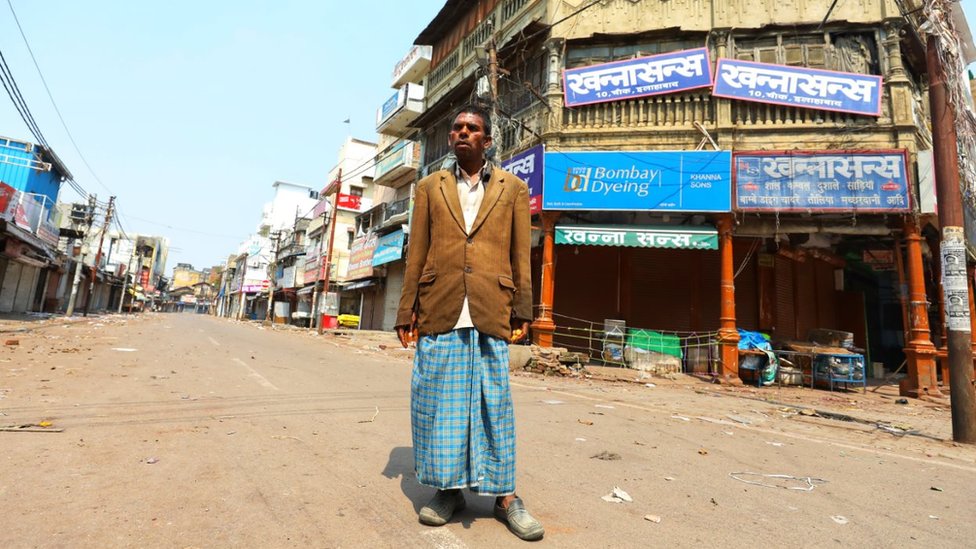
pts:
[6, 195]
[348, 201]
[144, 278]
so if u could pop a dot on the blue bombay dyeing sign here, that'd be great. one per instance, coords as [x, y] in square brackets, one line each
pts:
[388, 248]
[798, 87]
[837, 181]
[527, 166]
[669, 181]
[656, 74]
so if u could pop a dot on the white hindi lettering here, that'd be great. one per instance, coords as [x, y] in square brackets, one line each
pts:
[523, 166]
[654, 71]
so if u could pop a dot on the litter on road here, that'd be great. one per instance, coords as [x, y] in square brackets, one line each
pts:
[618, 496]
[808, 483]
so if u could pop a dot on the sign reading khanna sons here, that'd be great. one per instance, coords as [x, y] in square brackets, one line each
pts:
[798, 87]
[653, 75]
[840, 181]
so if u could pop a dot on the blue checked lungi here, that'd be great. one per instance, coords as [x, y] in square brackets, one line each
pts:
[461, 413]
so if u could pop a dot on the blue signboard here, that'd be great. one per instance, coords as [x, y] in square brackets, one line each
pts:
[798, 87]
[528, 166]
[657, 74]
[835, 181]
[670, 181]
[388, 248]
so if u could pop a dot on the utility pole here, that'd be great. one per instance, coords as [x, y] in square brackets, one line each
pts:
[89, 219]
[275, 238]
[953, 247]
[243, 301]
[98, 256]
[334, 188]
[125, 280]
[315, 320]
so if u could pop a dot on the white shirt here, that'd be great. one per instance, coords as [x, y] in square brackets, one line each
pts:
[471, 193]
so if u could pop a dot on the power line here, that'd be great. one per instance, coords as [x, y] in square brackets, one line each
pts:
[183, 229]
[51, 97]
[13, 91]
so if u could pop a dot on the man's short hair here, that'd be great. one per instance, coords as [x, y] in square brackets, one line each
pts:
[475, 108]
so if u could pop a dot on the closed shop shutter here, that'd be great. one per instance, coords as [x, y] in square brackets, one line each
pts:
[585, 289]
[806, 297]
[785, 311]
[393, 287]
[675, 290]
[826, 296]
[746, 283]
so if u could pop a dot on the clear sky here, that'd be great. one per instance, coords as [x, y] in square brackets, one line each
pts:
[188, 111]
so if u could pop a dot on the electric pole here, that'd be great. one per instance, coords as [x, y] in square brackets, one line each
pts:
[98, 255]
[336, 187]
[953, 247]
[314, 320]
[275, 238]
[89, 219]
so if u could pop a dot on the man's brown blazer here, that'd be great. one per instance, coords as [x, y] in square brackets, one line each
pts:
[490, 265]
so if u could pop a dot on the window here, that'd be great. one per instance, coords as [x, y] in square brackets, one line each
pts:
[355, 191]
[351, 234]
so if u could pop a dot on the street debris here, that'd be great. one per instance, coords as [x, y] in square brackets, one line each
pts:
[580, 439]
[618, 496]
[124, 349]
[777, 444]
[897, 429]
[807, 483]
[936, 489]
[839, 519]
[608, 407]
[152, 460]
[585, 422]
[901, 401]
[934, 517]
[553, 402]
[606, 456]
[370, 420]
[653, 518]
[669, 479]
[650, 385]
[739, 419]
[682, 418]
[42, 427]
[702, 451]
[11, 342]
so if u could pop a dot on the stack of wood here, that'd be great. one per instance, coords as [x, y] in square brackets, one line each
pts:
[556, 361]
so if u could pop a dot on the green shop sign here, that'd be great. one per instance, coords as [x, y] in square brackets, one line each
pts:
[690, 238]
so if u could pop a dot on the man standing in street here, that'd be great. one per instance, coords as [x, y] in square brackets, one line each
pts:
[467, 292]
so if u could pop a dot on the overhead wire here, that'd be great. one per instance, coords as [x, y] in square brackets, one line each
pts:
[10, 85]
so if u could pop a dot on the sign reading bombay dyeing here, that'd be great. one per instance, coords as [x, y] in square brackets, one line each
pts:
[653, 75]
[676, 181]
[798, 87]
[835, 181]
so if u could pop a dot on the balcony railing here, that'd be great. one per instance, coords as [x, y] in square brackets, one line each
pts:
[394, 209]
[32, 212]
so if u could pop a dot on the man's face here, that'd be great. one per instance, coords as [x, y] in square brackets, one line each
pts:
[467, 138]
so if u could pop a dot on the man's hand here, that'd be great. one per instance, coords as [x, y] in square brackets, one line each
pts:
[519, 330]
[406, 333]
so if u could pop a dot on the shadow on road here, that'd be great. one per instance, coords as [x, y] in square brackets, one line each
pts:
[401, 465]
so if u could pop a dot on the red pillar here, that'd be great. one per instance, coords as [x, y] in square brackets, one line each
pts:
[919, 351]
[544, 326]
[728, 336]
